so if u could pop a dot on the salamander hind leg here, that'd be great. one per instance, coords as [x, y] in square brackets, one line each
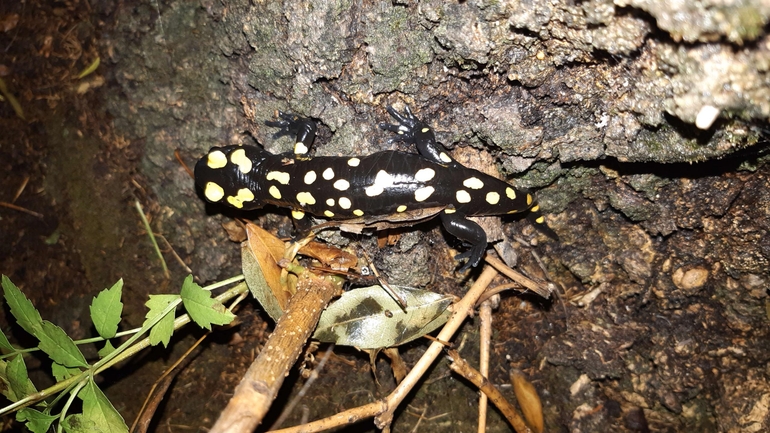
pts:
[412, 130]
[470, 233]
[303, 128]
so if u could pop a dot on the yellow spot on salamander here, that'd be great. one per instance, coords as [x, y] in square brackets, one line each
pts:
[243, 195]
[358, 212]
[345, 203]
[297, 214]
[539, 220]
[529, 199]
[213, 192]
[310, 177]
[473, 183]
[382, 180]
[240, 159]
[493, 197]
[274, 192]
[305, 198]
[216, 159]
[300, 148]
[341, 184]
[444, 157]
[279, 176]
[328, 213]
[353, 162]
[449, 210]
[422, 194]
[535, 208]
[401, 208]
[425, 174]
[462, 196]
[510, 193]
[425, 130]
[329, 202]
[328, 174]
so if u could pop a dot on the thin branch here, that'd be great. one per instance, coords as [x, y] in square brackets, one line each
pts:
[462, 368]
[543, 289]
[485, 334]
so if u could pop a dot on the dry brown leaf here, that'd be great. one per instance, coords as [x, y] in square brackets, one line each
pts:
[268, 250]
[397, 363]
[331, 257]
[529, 401]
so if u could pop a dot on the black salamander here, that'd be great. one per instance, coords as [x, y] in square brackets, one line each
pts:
[384, 183]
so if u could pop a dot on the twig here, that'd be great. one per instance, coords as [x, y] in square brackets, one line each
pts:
[259, 386]
[152, 238]
[485, 314]
[161, 385]
[173, 253]
[499, 289]
[308, 383]
[462, 368]
[542, 289]
[21, 189]
[20, 209]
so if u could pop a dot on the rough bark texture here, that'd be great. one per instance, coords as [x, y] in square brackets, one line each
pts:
[663, 254]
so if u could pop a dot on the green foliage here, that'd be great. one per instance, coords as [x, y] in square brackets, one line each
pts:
[18, 380]
[99, 415]
[160, 312]
[25, 313]
[201, 308]
[59, 346]
[73, 373]
[37, 422]
[5, 345]
[106, 309]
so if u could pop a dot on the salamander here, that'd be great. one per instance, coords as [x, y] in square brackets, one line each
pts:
[383, 183]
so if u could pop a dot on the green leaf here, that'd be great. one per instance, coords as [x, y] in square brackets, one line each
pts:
[22, 309]
[60, 347]
[201, 307]
[162, 331]
[16, 372]
[37, 422]
[5, 385]
[76, 423]
[107, 349]
[106, 309]
[61, 372]
[98, 411]
[5, 344]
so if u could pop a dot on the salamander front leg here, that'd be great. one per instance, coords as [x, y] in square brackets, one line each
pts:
[469, 232]
[411, 130]
[302, 128]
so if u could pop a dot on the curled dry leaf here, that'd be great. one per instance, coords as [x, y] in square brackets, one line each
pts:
[396, 363]
[260, 255]
[331, 257]
[236, 231]
[529, 401]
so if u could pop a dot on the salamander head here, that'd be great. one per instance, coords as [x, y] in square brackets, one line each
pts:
[227, 175]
